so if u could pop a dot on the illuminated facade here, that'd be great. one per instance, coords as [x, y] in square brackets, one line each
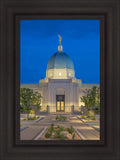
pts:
[60, 89]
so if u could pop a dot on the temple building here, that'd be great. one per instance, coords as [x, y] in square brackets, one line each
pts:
[60, 89]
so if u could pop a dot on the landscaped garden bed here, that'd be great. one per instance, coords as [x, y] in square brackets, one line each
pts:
[60, 118]
[60, 133]
[31, 118]
[91, 121]
[89, 118]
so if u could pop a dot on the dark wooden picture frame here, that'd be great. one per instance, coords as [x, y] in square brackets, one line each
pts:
[108, 13]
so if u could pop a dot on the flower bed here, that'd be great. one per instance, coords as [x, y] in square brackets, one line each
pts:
[61, 118]
[60, 133]
[31, 118]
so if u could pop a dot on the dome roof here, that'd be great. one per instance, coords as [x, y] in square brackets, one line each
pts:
[60, 60]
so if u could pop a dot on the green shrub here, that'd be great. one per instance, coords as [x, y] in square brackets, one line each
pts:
[32, 118]
[57, 117]
[48, 135]
[38, 116]
[88, 116]
[93, 118]
[64, 118]
[98, 124]
[82, 116]
[61, 118]
[70, 130]
[24, 119]
[51, 129]
[87, 119]
[97, 110]
[59, 135]
[58, 132]
[61, 128]
[52, 125]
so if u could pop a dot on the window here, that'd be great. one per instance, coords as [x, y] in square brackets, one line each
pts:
[59, 73]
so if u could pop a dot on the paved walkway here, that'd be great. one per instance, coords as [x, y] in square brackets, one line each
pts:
[36, 128]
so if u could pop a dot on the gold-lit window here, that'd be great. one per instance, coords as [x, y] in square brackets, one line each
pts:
[62, 105]
[58, 105]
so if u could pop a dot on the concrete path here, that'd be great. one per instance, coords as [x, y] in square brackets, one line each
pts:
[35, 129]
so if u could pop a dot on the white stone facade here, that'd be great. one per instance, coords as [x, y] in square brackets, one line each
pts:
[60, 73]
[72, 89]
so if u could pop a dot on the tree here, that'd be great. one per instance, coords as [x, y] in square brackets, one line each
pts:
[93, 95]
[98, 100]
[26, 95]
[98, 97]
[86, 99]
[91, 98]
[36, 101]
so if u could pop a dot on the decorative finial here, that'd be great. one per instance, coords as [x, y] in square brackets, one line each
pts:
[60, 48]
[60, 38]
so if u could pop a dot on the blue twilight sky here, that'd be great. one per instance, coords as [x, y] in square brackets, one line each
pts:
[39, 41]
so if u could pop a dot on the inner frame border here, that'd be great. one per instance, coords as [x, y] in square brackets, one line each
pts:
[67, 16]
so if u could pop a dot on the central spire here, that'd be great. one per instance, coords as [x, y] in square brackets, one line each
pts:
[60, 48]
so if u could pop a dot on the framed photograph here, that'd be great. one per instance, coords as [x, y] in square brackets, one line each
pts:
[59, 106]
[60, 80]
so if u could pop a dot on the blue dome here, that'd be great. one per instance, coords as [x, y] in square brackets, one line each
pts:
[60, 60]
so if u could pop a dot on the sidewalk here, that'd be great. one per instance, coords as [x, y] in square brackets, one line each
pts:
[84, 130]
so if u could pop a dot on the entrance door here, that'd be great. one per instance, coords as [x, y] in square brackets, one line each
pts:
[60, 103]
